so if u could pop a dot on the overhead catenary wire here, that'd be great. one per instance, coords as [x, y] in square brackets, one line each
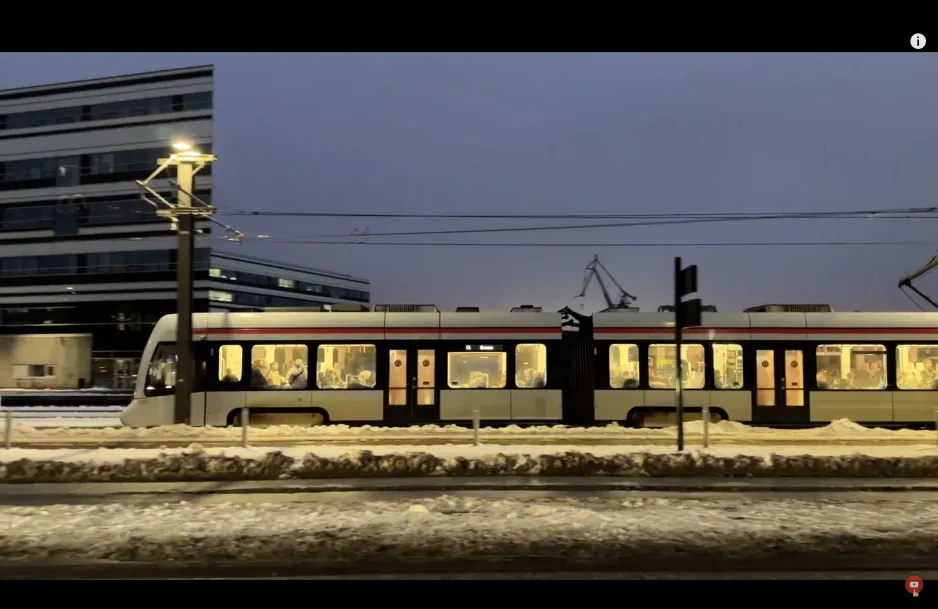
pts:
[301, 241]
[725, 215]
[531, 229]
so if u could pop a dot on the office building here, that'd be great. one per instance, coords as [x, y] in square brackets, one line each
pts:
[86, 265]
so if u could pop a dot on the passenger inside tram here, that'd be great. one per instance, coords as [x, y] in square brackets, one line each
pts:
[258, 378]
[345, 367]
[916, 367]
[297, 377]
[269, 362]
[274, 378]
[851, 367]
[478, 380]
[362, 380]
[654, 379]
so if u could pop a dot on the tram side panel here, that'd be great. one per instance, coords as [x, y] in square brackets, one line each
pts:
[636, 361]
[499, 364]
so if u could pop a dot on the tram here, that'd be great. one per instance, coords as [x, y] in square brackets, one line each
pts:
[774, 365]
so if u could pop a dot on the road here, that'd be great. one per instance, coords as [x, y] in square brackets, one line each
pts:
[898, 577]
[385, 489]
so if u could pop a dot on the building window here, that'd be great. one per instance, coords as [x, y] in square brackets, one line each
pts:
[623, 366]
[286, 283]
[229, 363]
[727, 366]
[478, 367]
[33, 371]
[531, 366]
[219, 296]
[662, 366]
[916, 367]
[345, 367]
[215, 273]
[279, 366]
[851, 367]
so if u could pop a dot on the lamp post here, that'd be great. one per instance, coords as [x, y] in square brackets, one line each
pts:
[188, 162]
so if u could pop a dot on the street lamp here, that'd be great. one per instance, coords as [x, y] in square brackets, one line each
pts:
[188, 162]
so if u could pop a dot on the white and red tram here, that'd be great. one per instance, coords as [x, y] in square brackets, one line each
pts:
[524, 367]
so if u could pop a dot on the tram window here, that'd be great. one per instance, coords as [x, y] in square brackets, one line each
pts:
[161, 375]
[229, 363]
[623, 366]
[480, 369]
[345, 367]
[279, 366]
[531, 366]
[662, 366]
[917, 367]
[727, 366]
[851, 367]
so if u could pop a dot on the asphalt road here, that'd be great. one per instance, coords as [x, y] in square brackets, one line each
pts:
[898, 577]
[391, 489]
[559, 570]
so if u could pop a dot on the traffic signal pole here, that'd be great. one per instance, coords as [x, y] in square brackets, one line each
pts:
[687, 314]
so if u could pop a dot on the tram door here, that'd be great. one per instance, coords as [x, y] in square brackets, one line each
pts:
[411, 394]
[779, 394]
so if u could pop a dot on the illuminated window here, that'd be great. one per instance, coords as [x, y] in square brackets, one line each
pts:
[662, 366]
[478, 367]
[916, 367]
[215, 273]
[286, 283]
[851, 367]
[220, 296]
[229, 363]
[727, 366]
[531, 366]
[279, 367]
[345, 367]
[623, 366]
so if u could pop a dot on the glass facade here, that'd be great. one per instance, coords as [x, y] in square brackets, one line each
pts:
[150, 106]
[101, 168]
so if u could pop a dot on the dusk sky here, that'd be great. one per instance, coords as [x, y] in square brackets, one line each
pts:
[572, 134]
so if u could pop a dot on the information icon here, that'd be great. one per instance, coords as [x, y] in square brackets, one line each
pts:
[913, 585]
[918, 42]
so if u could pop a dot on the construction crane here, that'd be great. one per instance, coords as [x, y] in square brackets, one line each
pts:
[907, 281]
[593, 270]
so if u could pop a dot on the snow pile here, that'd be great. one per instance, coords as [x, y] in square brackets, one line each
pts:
[841, 431]
[459, 531]
[199, 464]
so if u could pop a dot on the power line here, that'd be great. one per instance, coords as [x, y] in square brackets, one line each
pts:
[300, 241]
[568, 227]
[669, 216]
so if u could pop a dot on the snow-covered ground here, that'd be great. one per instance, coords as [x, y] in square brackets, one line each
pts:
[636, 532]
[66, 392]
[105, 429]
[302, 462]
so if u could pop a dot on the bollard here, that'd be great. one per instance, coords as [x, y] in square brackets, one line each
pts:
[705, 417]
[475, 427]
[244, 427]
[8, 429]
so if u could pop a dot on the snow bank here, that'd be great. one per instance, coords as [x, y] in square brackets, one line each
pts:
[639, 533]
[197, 463]
[841, 430]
